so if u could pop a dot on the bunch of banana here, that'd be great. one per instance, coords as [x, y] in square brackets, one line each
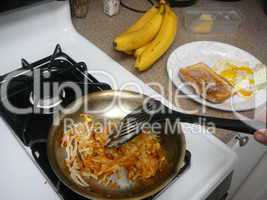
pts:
[150, 37]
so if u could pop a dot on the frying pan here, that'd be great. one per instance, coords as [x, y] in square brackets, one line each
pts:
[114, 106]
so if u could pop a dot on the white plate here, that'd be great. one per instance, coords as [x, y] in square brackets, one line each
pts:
[209, 53]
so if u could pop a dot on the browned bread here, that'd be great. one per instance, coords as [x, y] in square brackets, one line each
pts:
[206, 82]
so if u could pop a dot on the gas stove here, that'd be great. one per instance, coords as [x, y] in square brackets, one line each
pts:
[32, 32]
[32, 126]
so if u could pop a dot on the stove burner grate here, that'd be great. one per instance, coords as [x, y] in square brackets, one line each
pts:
[20, 94]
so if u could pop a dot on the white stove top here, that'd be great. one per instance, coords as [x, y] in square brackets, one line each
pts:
[32, 33]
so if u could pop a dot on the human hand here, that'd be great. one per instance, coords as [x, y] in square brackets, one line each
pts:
[261, 136]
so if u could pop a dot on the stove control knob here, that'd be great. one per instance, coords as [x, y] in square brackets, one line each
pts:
[242, 140]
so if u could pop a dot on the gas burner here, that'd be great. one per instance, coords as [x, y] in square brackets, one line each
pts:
[48, 97]
[47, 103]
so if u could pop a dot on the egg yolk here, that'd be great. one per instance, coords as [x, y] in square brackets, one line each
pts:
[236, 75]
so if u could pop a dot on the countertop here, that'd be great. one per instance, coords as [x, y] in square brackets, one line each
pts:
[252, 37]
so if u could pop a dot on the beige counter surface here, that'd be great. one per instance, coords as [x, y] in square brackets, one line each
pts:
[252, 37]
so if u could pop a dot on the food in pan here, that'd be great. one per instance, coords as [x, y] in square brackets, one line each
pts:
[87, 157]
[206, 82]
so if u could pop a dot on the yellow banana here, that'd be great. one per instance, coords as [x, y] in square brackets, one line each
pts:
[142, 20]
[137, 39]
[161, 43]
[140, 23]
[140, 50]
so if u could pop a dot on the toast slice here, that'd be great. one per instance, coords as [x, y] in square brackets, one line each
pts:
[206, 82]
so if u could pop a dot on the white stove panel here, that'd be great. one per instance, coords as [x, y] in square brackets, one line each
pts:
[20, 178]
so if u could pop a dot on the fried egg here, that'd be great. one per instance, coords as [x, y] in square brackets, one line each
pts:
[240, 76]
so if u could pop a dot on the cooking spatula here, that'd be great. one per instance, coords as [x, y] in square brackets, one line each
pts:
[153, 111]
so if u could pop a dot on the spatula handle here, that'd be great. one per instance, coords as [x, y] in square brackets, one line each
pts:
[246, 126]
